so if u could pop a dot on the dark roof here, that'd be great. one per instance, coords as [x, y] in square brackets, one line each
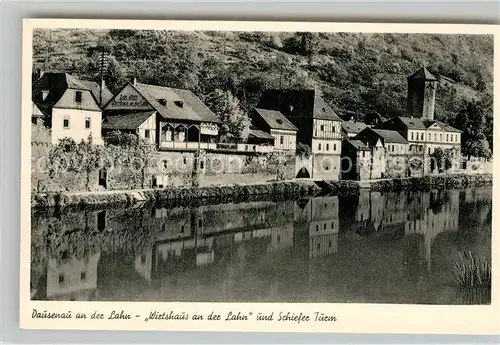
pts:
[445, 126]
[192, 109]
[96, 90]
[353, 127]
[275, 119]
[422, 74]
[358, 144]
[257, 133]
[390, 136]
[293, 103]
[57, 83]
[412, 122]
[126, 121]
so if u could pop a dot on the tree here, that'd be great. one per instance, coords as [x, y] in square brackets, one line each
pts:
[134, 150]
[235, 123]
[304, 43]
[472, 120]
[444, 158]
[89, 158]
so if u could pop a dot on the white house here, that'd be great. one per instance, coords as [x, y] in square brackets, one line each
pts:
[71, 108]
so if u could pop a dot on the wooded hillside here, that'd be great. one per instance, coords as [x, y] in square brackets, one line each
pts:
[358, 72]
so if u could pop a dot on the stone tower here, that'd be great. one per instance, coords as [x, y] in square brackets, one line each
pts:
[421, 94]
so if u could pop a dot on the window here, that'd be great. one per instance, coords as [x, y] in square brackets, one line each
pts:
[411, 135]
[393, 147]
[435, 137]
[317, 227]
[332, 225]
[78, 97]
[330, 243]
[143, 259]
[333, 129]
[327, 147]
[429, 150]
[441, 137]
[87, 122]
[429, 136]
[319, 246]
[184, 160]
[61, 279]
[165, 164]
[200, 223]
[334, 147]
[322, 128]
[146, 134]
[202, 165]
[421, 136]
[83, 276]
[446, 137]
[66, 122]
[363, 154]
[319, 146]
[182, 229]
[282, 139]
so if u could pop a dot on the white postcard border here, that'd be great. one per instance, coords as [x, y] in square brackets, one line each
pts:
[351, 318]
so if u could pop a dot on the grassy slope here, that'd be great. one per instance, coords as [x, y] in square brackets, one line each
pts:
[353, 71]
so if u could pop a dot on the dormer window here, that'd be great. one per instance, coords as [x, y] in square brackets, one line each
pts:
[279, 121]
[162, 101]
[180, 104]
[45, 94]
[78, 97]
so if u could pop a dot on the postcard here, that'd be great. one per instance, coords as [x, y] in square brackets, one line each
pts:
[259, 176]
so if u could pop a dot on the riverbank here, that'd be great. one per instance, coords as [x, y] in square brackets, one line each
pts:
[292, 189]
[452, 181]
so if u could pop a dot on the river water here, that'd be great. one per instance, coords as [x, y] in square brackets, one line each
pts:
[367, 248]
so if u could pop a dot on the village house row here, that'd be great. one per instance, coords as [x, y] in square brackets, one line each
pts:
[176, 120]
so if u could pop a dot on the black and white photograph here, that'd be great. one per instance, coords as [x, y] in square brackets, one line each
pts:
[278, 167]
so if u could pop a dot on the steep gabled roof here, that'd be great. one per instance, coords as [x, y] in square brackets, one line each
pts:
[353, 127]
[57, 83]
[390, 136]
[444, 126]
[357, 144]
[36, 112]
[257, 133]
[129, 121]
[293, 103]
[180, 104]
[422, 74]
[275, 119]
[412, 123]
[96, 90]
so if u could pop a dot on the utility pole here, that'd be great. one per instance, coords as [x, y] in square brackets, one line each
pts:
[103, 65]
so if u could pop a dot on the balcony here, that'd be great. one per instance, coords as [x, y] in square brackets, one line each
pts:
[187, 145]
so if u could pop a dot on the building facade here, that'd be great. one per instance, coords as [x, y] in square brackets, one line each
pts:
[181, 120]
[70, 108]
[278, 126]
[318, 126]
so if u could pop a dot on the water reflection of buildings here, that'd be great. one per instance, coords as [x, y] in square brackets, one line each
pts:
[72, 279]
[193, 239]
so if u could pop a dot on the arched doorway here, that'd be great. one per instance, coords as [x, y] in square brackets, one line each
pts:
[303, 173]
